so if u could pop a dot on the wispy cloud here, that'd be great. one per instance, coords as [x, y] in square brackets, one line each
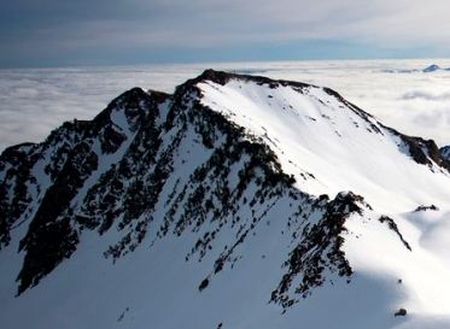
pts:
[92, 31]
[420, 94]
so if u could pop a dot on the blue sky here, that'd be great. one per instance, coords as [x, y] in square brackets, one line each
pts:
[98, 32]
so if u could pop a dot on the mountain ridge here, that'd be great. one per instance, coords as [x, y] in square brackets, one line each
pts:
[153, 166]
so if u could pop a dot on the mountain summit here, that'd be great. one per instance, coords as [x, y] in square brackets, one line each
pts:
[236, 202]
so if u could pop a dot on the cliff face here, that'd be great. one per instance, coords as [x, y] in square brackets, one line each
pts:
[231, 180]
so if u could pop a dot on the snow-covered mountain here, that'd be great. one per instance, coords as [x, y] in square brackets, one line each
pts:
[434, 68]
[429, 69]
[236, 202]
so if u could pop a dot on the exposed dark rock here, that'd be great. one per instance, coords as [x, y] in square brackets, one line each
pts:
[401, 312]
[15, 163]
[422, 151]
[203, 284]
[445, 152]
[425, 208]
[319, 249]
[393, 226]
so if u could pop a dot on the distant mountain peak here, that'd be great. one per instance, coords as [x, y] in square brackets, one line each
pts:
[429, 69]
[432, 68]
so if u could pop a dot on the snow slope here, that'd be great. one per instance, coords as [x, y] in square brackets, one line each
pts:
[236, 202]
[315, 131]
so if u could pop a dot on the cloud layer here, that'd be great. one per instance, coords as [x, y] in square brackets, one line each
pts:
[35, 101]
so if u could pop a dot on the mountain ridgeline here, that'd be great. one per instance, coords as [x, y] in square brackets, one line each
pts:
[153, 167]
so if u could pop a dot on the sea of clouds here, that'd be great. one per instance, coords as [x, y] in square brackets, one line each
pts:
[35, 101]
